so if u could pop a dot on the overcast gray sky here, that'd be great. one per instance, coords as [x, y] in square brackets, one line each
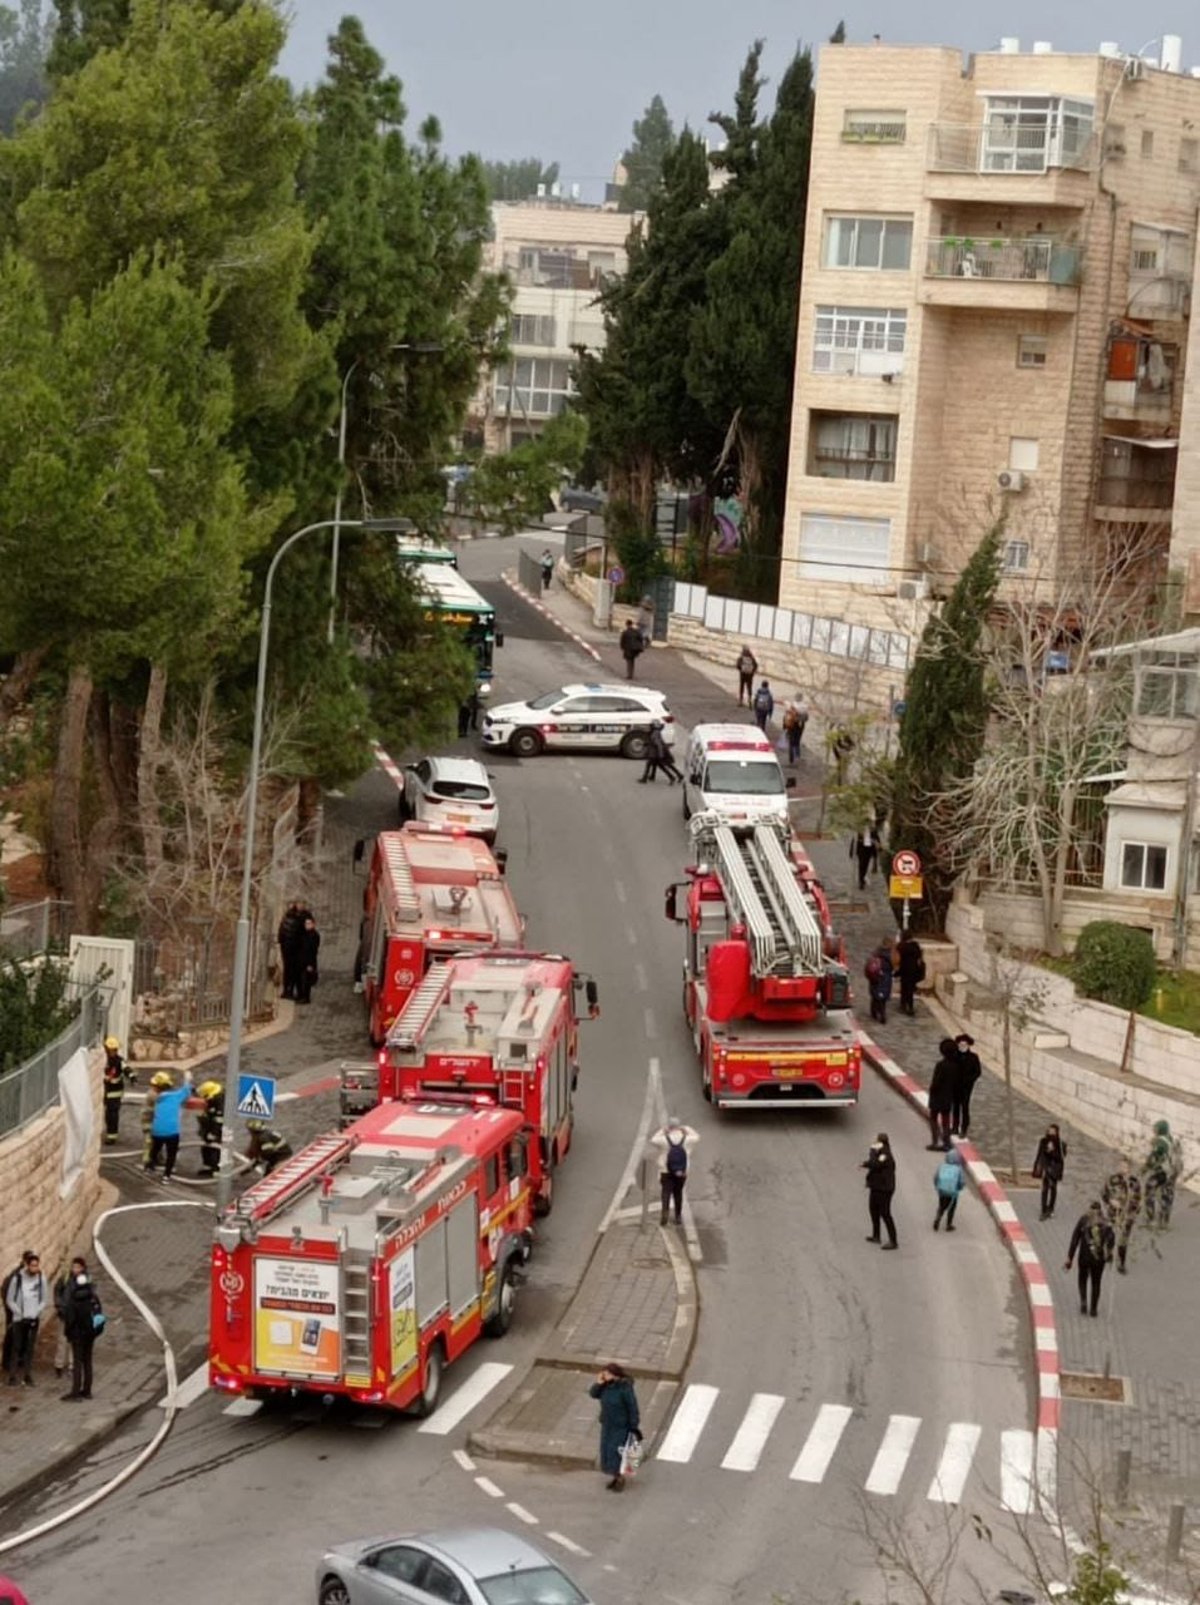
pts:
[564, 79]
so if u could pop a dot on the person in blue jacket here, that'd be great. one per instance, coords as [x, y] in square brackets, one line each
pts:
[166, 1120]
[619, 1419]
[949, 1180]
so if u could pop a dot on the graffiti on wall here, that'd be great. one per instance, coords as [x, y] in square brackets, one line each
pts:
[727, 516]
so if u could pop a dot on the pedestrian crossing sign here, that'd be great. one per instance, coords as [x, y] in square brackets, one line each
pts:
[256, 1097]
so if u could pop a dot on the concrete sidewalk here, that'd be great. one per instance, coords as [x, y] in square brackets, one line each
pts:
[636, 1305]
[1148, 1318]
[163, 1252]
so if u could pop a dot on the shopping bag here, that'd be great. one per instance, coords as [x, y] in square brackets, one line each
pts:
[631, 1456]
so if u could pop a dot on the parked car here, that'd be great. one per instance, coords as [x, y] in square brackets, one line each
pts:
[451, 791]
[574, 499]
[461, 1565]
[596, 718]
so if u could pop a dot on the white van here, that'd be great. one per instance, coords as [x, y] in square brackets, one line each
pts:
[732, 770]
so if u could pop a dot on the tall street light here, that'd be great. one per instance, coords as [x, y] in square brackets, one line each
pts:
[241, 951]
[422, 346]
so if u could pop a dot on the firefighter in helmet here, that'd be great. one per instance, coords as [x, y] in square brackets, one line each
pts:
[212, 1126]
[268, 1147]
[115, 1077]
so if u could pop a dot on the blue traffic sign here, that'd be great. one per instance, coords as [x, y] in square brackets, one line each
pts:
[617, 575]
[256, 1096]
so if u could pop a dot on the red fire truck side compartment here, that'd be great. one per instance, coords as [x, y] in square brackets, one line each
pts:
[373, 1258]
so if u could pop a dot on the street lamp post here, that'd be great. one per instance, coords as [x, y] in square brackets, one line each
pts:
[241, 951]
[424, 347]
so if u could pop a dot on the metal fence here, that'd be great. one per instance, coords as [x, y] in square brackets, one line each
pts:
[27, 929]
[32, 1087]
[186, 981]
[884, 649]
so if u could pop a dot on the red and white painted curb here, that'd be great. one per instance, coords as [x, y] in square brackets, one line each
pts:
[1033, 1275]
[515, 585]
[388, 764]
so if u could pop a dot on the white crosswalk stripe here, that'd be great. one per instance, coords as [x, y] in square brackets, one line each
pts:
[899, 1447]
[688, 1423]
[465, 1398]
[745, 1450]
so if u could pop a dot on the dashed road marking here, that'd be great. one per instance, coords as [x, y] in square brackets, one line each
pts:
[242, 1407]
[487, 1486]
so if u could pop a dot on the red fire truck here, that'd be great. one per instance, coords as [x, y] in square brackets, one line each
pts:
[373, 1258]
[766, 988]
[432, 890]
[490, 1027]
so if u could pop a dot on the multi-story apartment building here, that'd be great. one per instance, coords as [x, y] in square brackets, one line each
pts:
[997, 273]
[557, 254]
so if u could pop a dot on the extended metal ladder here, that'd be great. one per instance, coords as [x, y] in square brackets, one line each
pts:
[761, 891]
[268, 1196]
[413, 1020]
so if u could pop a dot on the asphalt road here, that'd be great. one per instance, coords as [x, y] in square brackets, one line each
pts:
[829, 1385]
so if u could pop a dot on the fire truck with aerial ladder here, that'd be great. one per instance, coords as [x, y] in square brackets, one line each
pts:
[432, 890]
[373, 1258]
[489, 1028]
[766, 987]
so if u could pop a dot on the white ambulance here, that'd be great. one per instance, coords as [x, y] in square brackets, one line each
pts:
[731, 770]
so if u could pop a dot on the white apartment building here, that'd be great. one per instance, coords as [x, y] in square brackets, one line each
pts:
[998, 264]
[557, 254]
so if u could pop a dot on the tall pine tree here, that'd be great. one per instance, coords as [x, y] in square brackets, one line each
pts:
[653, 137]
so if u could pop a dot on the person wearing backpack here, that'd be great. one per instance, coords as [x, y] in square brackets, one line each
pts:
[747, 668]
[675, 1142]
[879, 972]
[795, 717]
[764, 705]
[84, 1321]
[949, 1180]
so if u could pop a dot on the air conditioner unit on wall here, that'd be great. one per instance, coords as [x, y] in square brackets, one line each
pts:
[913, 590]
[1010, 479]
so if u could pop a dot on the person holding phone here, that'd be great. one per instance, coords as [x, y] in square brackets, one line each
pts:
[620, 1420]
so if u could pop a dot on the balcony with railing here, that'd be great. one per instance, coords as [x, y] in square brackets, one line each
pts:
[1140, 383]
[1045, 160]
[1038, 274]
[1136, 484]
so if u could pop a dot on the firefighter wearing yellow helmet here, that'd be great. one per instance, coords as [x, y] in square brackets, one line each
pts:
[212, 1126]
[115, 1077]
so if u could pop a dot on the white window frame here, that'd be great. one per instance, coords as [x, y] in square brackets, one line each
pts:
[534, 387]
[866, 340]
[851, 551]
[1145, 849]
[852, 224]
[1035, 346]
[853, 446]
[1034, 133]
[533, 329]
[1016, 557]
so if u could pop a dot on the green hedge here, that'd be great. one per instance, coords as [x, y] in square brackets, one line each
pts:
[1115, 964]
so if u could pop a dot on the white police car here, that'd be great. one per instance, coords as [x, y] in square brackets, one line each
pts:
[590, 718]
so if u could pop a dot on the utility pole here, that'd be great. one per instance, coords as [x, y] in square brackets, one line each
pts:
[1187, 831]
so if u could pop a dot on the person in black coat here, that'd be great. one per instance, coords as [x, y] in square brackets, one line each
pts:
[632, 646]
[910, 971]
[310, 946]
[943, 1090]
[81, 1306]
[1048, 1166]
[1092, 1240]
[969, 1072]
[620, 1419]
[658, 756]
[880, 1166]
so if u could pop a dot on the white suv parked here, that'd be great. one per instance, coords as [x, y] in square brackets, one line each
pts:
[591, 718]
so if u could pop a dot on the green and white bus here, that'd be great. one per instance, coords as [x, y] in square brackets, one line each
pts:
[455, 601]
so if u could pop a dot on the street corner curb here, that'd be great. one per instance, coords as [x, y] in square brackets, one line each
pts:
[520, 590]
[687, 1310]
[388, 764]
[1038, 1296]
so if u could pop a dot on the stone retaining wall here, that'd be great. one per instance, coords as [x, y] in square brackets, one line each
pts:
[32, 1215]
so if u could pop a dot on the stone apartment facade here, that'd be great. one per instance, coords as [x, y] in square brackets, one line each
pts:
[557, 254]
[998, 266]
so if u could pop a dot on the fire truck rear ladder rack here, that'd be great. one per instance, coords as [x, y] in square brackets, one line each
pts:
[408, 901]
[274, 1192]
[761, 886]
